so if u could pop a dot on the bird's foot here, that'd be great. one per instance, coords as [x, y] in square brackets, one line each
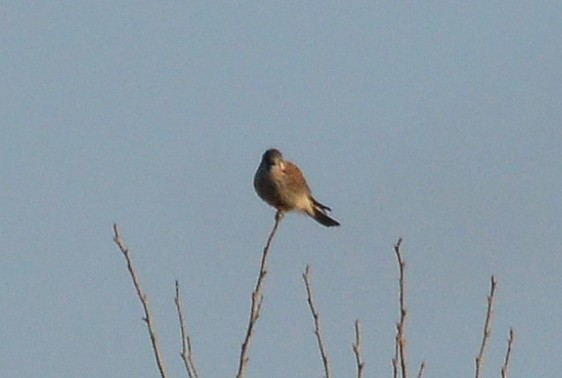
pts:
[279, 215]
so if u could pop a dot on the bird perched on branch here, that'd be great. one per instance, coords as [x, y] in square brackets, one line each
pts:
[281, 184]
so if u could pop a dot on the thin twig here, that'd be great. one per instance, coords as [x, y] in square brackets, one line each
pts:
[357, 350]
[487, 327]
[316, 318]
[395, 363]
[144, 301]
[186, 354]
[422, 369]
[257, 298]
[401, 326]
[510, 342]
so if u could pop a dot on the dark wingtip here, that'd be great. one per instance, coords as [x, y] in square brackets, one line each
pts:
[316, 203]
[324, 219]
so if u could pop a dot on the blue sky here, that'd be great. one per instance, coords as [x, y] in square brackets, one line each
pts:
[439, 123]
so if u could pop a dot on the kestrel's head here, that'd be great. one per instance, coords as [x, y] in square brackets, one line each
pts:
[272, 157]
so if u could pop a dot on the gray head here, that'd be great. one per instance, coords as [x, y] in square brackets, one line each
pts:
[271, 157]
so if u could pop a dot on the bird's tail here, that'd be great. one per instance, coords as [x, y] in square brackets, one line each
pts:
[320, 214]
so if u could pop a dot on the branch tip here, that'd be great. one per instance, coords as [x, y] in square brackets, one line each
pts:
[257, 297]
[316, 320]
[144, 301]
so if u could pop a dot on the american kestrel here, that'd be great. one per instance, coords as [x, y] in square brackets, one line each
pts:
[281, 184]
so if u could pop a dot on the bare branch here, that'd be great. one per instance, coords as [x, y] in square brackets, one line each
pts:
[510, 342]
[487, 327]
[316, 318]
[401, 326]
[396, 358]
[186, 355]
[422, 369]
[143, 299]
[357, 350]
[257, 298]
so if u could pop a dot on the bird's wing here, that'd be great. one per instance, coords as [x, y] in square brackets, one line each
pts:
[294, 178]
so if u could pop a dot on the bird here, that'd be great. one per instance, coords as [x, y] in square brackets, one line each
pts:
[282, 185]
